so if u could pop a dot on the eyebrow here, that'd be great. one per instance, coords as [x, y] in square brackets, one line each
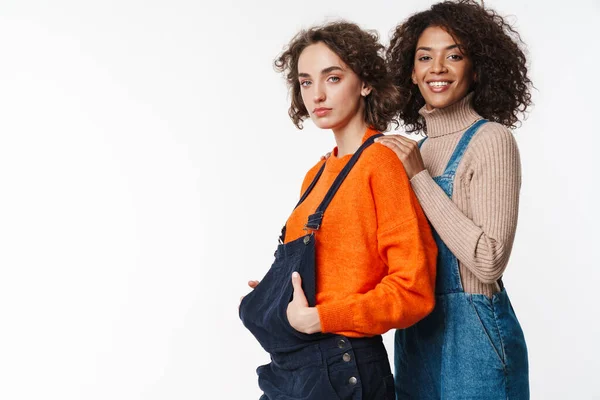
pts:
[447, 48]
[323, 71]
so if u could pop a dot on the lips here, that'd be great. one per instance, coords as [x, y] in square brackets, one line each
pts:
[438, 83]
[321, 111]
[438, 86]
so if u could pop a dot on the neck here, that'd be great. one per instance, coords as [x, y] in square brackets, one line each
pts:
[349, 137]
[454, 118]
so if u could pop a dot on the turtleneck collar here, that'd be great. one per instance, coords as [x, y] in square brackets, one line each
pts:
[454, 118]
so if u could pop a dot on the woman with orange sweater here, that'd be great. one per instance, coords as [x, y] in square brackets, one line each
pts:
[357, 256]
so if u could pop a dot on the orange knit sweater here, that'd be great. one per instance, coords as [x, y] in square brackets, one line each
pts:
[376, 257]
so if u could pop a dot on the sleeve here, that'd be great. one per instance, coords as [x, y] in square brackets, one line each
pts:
[483, 242]
[406, 245]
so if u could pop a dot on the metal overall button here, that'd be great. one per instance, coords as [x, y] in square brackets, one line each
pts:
[341, 343]
[306, 239]
[352, 380]
[346, 357]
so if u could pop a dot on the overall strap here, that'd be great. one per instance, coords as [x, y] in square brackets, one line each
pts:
[311, 186]
[461, 147]
[303, 197]
[314, 220]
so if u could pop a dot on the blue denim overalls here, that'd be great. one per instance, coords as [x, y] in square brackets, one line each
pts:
[318, 366]
[471, 346]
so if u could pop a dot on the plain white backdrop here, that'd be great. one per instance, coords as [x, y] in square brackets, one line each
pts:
[147, 164]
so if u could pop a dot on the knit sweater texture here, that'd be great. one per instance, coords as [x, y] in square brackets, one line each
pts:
[478, 223]
[375, 253]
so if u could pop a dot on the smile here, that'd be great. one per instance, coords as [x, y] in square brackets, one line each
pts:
[439, 86]
[438, 83]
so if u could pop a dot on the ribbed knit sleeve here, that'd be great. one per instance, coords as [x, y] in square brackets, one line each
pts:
[488, 184]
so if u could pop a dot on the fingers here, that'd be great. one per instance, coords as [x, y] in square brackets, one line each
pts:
[397, 146]
[326, 156]
[394, 137]
[296, 282]
[253, 284]
[402, 146]
[401, 150]
[399, 141]
[298, 292]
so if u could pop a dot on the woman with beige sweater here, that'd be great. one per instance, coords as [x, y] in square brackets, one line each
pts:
[464, 82]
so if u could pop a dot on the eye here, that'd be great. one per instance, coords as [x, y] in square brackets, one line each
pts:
[455, 57]
[333, 79]
[424, 58]
[305, 83]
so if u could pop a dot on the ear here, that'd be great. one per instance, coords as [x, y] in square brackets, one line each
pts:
[365, 90]
[413, 77]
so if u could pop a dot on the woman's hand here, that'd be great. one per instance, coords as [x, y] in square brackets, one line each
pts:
[302, 318]
[407, 151]
[252, 285]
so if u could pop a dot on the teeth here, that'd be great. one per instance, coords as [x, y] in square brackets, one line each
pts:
[438, 84]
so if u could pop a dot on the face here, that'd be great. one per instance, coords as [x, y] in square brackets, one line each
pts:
[332, 93]
[443, 73]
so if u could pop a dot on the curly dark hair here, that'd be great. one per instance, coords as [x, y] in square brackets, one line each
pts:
[502, 88]
[362, 52]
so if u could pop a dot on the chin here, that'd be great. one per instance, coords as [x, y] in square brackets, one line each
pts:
[322, 123]
[436, 99]
[441, 103]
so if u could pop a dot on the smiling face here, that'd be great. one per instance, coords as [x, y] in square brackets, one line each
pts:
[442, 71]
[332, 93]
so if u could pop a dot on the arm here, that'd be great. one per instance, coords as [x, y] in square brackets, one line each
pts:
[482, 243]
[405, 244]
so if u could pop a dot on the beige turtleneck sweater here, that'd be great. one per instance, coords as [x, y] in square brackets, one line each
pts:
[478, 224]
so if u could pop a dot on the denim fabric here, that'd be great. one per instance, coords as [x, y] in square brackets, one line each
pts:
[318, 366]
[470, 346]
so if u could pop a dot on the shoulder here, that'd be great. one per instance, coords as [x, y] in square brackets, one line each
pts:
[494, 144]
[379, 158]
[493, 134]
[315, 168]
[310, 175]
[382, 164]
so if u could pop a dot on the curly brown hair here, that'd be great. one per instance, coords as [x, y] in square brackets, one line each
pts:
[361, 51]
[502, 88]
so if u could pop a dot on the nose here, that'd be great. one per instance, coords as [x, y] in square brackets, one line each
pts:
[319, 93]
[438, 65]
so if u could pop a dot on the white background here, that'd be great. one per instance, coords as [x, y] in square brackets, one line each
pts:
[147, 163]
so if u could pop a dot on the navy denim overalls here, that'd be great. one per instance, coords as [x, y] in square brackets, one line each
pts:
[471, 346]
[318, 366]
